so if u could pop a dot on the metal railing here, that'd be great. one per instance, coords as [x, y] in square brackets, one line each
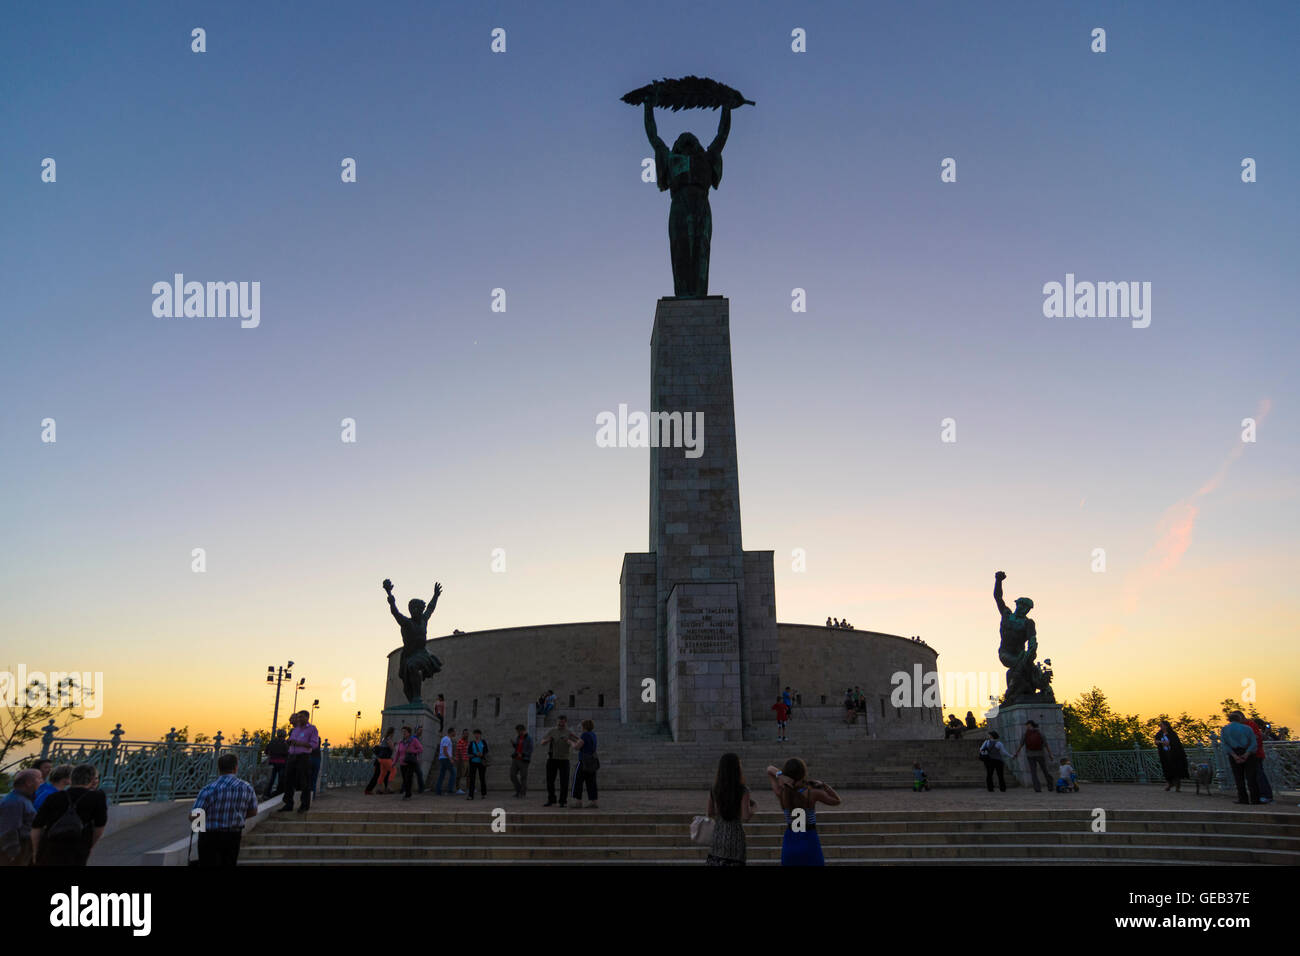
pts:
[147, 771]
[1142, 765]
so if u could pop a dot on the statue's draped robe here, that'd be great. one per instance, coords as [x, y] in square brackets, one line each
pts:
[689, 174]
[416, 663]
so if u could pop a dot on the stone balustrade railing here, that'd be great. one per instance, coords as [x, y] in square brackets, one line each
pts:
[137, 771]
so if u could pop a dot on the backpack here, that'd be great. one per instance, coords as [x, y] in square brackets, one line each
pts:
[69, 826]
[1033, 739]
[989, 749]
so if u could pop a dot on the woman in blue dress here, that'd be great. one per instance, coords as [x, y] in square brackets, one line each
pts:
[799, 797]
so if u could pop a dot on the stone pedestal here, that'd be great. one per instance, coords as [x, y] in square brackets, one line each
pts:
[703, 643]
[418, 716]
[695, 541]
[1009, 722]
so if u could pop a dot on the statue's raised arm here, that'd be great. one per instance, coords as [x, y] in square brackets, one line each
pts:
[997, 593]
[724, 129]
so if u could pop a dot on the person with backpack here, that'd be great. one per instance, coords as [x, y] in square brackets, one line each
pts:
[478, 761]
[1035, 744]
[994, 756]
[70, 822]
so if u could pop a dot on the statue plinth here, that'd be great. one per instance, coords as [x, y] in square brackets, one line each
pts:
[419, 716]
[1009, 722]
[698, 612]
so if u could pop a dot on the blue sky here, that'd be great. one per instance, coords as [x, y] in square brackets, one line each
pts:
[476, 429]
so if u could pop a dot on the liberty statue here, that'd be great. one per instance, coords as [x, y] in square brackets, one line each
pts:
[416, 663]
[1018, 649]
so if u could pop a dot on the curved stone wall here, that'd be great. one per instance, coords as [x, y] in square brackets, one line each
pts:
[491, 678]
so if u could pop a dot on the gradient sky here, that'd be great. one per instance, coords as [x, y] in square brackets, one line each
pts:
[476, 430]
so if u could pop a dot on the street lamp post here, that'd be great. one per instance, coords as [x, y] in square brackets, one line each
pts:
[355, 745]
[302, 683]
[274, 676]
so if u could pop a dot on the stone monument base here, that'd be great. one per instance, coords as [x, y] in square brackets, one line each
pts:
[420, 717]
[1010, 725]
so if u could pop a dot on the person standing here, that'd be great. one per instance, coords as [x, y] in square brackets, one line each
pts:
[70, 823]
[383, 755]
[225, 804]
[478, 761]
[519, 760]
[439, 709]
[303, 739]
[1173, 759]
[446, 762]
[16, 816]
[462, 760]
[730, 808]
[994, 756]
[588, 764]
[408, 756]
[782, 713]
[1265, 788]
[559, 740]
[277, 754]
[1034, 744]
[417, 770]
[787, 698]
[60, 778]
[1241, 744]
[798, 797]
[315, 766]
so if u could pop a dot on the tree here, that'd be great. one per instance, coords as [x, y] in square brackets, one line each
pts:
[1091, 724]
[25, 712]
[364, 742]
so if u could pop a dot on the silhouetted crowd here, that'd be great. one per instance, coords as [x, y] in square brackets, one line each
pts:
[836, 624]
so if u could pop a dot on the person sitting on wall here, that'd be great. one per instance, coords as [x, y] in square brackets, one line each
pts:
[953, 728]
[971, 722]
[828, 622]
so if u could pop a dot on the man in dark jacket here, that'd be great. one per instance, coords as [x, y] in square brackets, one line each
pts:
[520, 755]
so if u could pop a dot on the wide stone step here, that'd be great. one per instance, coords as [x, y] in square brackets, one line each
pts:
[504, 851]
[884, 831]
[772, 836]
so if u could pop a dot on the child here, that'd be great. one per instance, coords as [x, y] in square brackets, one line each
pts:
[782, 714]
[1066, 777]
[919, 780]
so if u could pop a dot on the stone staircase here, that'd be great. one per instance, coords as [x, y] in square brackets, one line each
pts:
[899, 837]
[640, 757]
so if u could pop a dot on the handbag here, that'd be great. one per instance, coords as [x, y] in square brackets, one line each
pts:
[702, 831]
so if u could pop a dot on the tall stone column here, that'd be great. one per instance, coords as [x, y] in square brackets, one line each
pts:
[714, 634]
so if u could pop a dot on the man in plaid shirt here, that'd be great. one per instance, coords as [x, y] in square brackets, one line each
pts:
[226, 803]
